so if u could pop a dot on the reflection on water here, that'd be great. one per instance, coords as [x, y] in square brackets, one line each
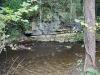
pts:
[44, 58]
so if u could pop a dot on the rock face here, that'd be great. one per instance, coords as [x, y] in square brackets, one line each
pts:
[49, 28]
[59, 22]
[76, 26]
[55, 31]
[44, 28]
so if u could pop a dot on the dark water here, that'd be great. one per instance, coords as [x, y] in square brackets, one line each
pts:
[45, 58]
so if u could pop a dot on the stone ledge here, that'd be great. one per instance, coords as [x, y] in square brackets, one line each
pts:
[57, 37]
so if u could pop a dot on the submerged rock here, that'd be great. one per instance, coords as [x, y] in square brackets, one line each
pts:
[22, 47]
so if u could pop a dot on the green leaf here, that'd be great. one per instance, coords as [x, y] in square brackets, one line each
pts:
[36, 7]
[30, 9]
[94, 28]
[86, 25]
[26, 21]
[7, 36]
[18, 13]
[92, 71]
[76, 20]
[26, 11]
[82, 23]
[82, 46]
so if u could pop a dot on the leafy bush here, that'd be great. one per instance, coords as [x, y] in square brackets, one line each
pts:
[13, 4]
[15, 18]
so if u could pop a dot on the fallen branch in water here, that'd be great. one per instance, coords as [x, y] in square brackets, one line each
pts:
[17, 66]
[12, 65]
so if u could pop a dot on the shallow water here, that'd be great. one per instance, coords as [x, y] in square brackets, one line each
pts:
[45, 58]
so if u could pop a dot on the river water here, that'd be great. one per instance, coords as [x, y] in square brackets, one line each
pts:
[45, 58]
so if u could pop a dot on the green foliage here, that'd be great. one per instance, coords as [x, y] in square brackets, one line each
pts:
[98, 24]
[92, 71]
[98, 28]
[89, 71]
[80, 36]
[75, 8]
[17, 17]
[13, 4]
[66, 9]
[97, 9]
[79, 63]
[14, 18]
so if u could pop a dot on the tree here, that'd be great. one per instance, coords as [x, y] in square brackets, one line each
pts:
[89, 34]
[10, 19]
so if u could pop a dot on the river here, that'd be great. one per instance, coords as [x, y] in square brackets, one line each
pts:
[45, 58]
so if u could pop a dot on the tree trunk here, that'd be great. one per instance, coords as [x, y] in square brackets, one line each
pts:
[89, 34]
